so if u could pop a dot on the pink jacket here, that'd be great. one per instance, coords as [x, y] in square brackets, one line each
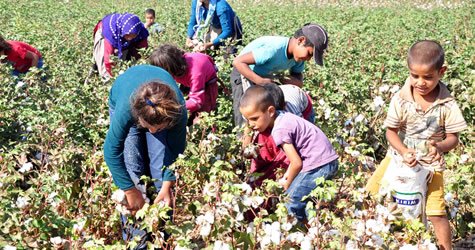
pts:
[201, 71]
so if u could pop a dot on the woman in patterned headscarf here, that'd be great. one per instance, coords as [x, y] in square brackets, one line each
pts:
[117, 34]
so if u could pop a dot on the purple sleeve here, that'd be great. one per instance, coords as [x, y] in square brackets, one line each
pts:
[281, 134]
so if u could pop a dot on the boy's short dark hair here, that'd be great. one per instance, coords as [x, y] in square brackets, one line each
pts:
[277, 94]
[426, 52]
[170, 58]
[257, 96]
[150, 11]
[4, 45]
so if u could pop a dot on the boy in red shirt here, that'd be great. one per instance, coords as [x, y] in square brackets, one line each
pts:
[21, 55]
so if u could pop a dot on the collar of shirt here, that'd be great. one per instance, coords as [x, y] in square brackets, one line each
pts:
[443, 96]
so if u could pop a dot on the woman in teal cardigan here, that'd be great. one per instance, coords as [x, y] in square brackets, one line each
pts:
[147, 132]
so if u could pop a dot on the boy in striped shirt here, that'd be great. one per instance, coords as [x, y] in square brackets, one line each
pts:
[423, 123]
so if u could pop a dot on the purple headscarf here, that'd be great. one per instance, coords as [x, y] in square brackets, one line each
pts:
[116, 25]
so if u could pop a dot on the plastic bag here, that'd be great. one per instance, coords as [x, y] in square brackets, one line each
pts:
[407, 187]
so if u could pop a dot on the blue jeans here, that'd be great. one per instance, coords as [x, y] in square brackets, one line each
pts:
[303, 184]
[311, 117]
[144, 154]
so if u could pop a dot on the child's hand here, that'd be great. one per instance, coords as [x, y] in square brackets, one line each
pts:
[284, 182]
[291, 80]
[189, 43]
[409, 157]
[199, 48]
[251, 151]
[434, 153]
[265, 81]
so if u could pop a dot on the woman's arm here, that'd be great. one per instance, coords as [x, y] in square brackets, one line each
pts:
[197, 94]
[226, 19]
[192, 21]
[113, 155]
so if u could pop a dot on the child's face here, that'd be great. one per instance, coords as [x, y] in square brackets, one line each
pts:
[424, 78]
[302, 53]
[130, 37]
[258, 120]
[149, 18]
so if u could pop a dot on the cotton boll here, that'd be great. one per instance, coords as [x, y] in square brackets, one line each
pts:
[219, 245]
[250, 228]
[296, 237]
[265, 241]
[21, 202]
[409, 247]
[378, 102]
[256, 201]
[122, 209]
[448, 197]
[286, 226]
[464, 158]
[119, 196]
[359, 118]
[205, 230]
[240, 217]
[328, 113]
[384, 88]
[306, 244]
[246, 201]
[429, 245]
[57, 241]
[275, 233]
[26, 167]
[246, 188]
[20, 84]
[355, 153]
[351, 245]
[209, 217]
[394, 89]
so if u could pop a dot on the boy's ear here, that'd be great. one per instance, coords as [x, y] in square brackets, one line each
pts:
[271, 110]
[301, 40]
[442, 70]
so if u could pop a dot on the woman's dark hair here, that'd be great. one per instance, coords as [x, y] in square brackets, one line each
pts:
[156, 103]
[170, 58]
[4, 45]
